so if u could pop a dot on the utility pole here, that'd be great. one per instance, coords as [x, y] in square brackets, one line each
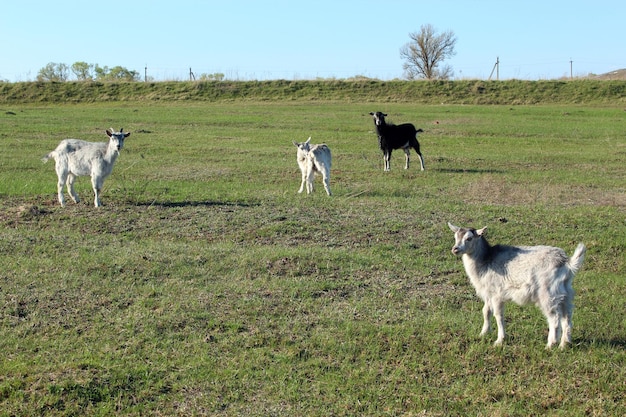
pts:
[191, 76]
[571, 72]
[496, 68]
[145, 74]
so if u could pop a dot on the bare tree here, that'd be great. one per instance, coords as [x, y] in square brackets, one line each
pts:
[426, 52]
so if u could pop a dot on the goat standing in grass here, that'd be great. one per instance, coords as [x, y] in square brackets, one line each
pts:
[76, 157]
[541, 275]
[392, 137]
[312, 160]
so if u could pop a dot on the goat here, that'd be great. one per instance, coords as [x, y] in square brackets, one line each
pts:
[74, 157]
[312, 160]
[541, 275]
[392, 137]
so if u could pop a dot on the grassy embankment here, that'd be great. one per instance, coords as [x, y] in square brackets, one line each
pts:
[512, 92]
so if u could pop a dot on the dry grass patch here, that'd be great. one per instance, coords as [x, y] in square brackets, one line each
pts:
[495, 190]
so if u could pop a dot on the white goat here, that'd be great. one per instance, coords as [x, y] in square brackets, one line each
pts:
[76, 157]
[541, 275]
[312, 160]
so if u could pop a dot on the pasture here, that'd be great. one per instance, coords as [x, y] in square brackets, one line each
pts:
[206, 285]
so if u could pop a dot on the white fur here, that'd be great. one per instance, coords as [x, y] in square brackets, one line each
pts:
[76, 157]
[312, 160]
[541, 275]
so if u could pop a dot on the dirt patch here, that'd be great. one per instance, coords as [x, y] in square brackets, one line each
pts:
[24, 212]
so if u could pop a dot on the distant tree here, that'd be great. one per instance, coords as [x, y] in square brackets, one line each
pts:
[53, 72]
[217, 76]
[83, 71]
[117, 73]
[101, 72]
[123, 74]
[425, 54]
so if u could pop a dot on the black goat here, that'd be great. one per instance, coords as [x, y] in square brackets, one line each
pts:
[392, 137]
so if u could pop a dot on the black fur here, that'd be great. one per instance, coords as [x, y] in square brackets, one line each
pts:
[392, 137]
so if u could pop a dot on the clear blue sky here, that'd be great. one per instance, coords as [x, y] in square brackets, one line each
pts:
[295, 39]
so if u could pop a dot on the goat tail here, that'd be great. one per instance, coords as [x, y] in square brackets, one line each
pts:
[576, 261]
[46, 157]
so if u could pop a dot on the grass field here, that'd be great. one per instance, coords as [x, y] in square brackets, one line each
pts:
[206, 285]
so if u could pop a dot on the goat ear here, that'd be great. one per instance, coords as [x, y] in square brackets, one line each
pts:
[109, 132]
[371, 113]
[296, 143]
[481, 232]
[453, 227]
[385, 114]
[126, 134]
[308, 140]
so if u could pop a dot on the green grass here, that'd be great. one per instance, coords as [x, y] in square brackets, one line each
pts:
[207, 285]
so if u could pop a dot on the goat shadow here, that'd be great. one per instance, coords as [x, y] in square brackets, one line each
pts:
[178, 204]
[588, 343]
[470, 171]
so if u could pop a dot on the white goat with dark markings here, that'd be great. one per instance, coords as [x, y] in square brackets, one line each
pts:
[541, 275]
[74, 157]
[313, 160]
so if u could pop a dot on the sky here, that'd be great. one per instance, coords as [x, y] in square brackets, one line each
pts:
[299, 39]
